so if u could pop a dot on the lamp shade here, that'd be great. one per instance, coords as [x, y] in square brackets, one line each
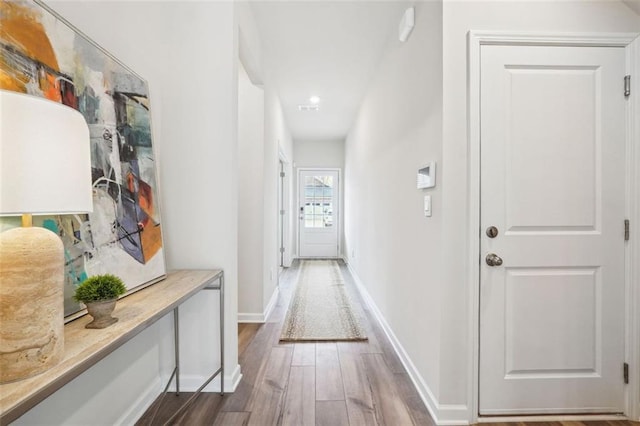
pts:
[45, 157]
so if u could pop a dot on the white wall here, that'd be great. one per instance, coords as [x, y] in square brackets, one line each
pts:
[393, 248]
[277, 139]
[250, 198]
[188, 54]
[259, 242]
[458, 19]
[250, 44]
[328, 153]
[319, 154]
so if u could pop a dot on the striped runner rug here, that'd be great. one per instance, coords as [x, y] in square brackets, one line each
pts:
[320, 309]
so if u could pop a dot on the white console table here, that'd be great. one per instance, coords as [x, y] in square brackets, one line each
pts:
[85, 347]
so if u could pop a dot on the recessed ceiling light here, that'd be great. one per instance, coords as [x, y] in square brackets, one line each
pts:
[314, 100]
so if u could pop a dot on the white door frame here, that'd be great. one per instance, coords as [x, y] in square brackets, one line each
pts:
[475, 40]
[339, 209]
[288, 208]
[633, 248]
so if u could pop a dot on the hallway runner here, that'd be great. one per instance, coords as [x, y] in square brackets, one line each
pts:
[320, 309]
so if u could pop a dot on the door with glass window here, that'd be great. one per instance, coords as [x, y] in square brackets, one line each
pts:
[318, 213]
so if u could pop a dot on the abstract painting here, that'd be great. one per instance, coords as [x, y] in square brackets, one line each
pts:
[43, 55]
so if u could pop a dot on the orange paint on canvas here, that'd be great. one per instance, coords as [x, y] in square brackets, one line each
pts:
[50, 87]
[10, 82]
[11, 79]
[151, 239]
[131, 182]
[20, 26]
[145, 198]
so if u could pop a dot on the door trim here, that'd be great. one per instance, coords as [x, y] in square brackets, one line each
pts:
[339, 215]
[286, 200]
[476, 39]
[633, 249]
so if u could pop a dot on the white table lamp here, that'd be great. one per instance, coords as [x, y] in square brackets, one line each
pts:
[45, 169]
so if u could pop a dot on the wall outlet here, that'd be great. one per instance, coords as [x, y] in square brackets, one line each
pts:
[353, 253]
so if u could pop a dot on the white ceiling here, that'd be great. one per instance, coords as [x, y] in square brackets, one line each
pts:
[324, 48]
[329, 49]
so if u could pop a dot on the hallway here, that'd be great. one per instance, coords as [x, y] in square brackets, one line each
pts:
[344, 383]
[324, 384]
[486, 203]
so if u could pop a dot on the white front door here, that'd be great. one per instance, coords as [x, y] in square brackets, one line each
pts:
[553, 186]
[318, 194]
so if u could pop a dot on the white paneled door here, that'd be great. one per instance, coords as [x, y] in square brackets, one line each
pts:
[552, 279]
[318, 213]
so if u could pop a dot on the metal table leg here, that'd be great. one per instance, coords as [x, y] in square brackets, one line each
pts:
[176, 370]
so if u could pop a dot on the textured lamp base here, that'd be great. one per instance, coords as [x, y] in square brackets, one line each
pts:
[31, 302]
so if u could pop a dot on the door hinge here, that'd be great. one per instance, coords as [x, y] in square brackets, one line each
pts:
[281, 212]
[281, 174]
[627, 85]
[625, 373]
[281, 249]
[626, 230]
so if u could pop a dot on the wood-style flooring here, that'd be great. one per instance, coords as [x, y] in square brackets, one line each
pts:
[332, 384]
[344, 383]
[246, 333]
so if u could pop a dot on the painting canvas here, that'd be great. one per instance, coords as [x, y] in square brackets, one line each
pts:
[43, 55]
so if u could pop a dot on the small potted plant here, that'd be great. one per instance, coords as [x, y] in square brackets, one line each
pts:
[100, 293]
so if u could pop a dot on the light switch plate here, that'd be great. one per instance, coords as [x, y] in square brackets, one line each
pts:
[427, 205]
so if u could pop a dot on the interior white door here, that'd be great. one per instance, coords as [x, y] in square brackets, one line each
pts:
[318, 195]
[553, 186]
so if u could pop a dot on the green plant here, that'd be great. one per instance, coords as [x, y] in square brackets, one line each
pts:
[99, 287]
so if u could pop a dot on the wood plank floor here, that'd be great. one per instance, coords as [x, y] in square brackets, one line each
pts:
[246, 333]
[566, 423]
[346, 383]
[333, 384]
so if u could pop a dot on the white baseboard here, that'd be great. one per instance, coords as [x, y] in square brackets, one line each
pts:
[443, 414]
[234, 379]
[260, 317]
[554, 418]
[271, 304]
[141, 404]
[250, 318]
[191, 382]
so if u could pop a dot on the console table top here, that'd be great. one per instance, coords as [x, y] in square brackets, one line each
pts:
[85, 347]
